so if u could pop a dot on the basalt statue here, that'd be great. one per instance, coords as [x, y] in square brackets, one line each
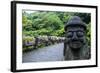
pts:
[75, 45]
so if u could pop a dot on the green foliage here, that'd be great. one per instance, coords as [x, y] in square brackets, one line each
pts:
[41, 23]
[88, 33]
[48, 23]
[27, 40]
[86, 17]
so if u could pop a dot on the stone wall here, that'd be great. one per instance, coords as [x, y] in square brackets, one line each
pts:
[30, 43]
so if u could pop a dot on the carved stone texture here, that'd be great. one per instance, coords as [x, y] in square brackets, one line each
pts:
[75, 45]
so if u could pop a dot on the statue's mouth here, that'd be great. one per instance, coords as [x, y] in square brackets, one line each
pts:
[76, 44]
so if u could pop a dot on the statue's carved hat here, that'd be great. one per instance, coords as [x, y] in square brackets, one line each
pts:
[75, 21]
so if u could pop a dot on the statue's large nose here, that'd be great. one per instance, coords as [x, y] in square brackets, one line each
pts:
[74, 36]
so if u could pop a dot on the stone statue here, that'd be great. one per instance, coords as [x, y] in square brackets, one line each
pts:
[75, 45]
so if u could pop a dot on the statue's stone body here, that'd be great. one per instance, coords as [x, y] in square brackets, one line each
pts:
[75, 45]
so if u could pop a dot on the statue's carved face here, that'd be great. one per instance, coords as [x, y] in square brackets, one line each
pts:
[75, 37]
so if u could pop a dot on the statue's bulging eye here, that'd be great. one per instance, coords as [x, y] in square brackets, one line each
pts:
[80, 34]
[69, 34]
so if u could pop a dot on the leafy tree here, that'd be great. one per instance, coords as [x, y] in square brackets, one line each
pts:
[86, 17]
[50, 23]
[88, 33]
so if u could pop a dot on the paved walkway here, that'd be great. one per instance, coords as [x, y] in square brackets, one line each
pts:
[50, 53]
